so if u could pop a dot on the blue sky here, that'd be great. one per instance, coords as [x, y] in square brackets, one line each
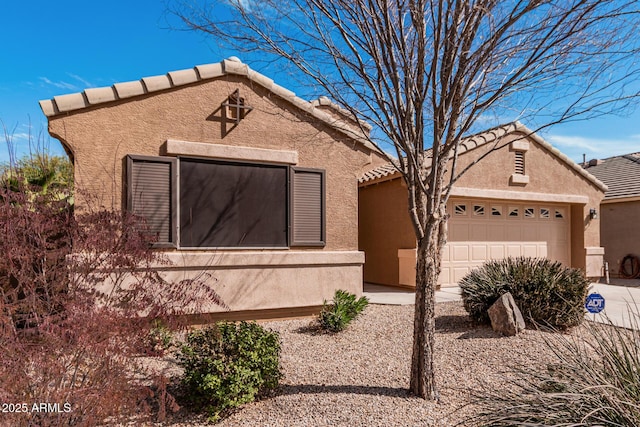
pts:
[53, 48]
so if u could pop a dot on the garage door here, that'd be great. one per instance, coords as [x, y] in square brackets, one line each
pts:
[482, 230]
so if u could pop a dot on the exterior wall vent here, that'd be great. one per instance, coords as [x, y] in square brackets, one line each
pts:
[519, 177]
[520, 162]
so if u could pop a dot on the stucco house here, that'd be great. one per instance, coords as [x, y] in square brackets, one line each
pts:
[279, 200]
[524, 198]
[620, 208]
[236, 176]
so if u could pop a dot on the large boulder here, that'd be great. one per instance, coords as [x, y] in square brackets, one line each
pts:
[505, 316]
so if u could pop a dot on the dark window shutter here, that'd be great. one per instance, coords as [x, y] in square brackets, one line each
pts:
[151, 187]
[307, 207]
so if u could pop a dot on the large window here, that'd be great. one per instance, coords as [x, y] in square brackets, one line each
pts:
[232, 204]
[229, 204]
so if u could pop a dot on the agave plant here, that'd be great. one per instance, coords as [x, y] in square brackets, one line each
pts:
[336, 316]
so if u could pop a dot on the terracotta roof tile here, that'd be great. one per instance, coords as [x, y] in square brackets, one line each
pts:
[620, 173]
[94, 96]
[383, 171]
[388, 171]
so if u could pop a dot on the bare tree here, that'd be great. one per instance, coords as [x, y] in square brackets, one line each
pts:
[425, 72]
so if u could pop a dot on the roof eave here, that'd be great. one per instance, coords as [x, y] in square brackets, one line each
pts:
[477, 140]
[75, 102]
[577, 168]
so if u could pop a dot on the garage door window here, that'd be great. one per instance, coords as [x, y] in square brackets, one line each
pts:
[514, 212]
[460, 210]
[496, 210]
[529, 213]
[544, 213]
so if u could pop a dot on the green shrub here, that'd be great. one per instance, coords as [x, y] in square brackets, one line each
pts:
[336, 317]
[159, 339]
[546, 292]
[229, 364]
[596, 382]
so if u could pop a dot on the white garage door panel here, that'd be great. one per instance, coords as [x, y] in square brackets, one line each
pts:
[460, 253]
[480, 230]
[454, 270]
[460, 272]
[531, 250]
[478, 252]
[496, 251]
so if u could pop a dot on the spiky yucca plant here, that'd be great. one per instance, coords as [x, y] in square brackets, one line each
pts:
[546, 292]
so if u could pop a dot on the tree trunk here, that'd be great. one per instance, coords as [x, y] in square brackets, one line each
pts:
[427, 271]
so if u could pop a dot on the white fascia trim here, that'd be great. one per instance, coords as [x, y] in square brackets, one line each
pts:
[229, 152]
[518, 195]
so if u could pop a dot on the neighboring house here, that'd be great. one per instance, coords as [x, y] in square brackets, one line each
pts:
[237, 177]
[620, 209]
[525, 198]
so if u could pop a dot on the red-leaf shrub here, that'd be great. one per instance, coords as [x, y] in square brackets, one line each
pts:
[77, 297]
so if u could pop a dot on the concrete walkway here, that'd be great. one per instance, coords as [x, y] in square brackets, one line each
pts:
[392, 295]
[618, 300]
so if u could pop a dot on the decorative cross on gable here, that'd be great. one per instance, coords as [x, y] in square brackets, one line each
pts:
[235, 109]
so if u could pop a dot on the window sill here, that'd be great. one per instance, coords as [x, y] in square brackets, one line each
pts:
[517, 179]
[227, 259]
[231, 249]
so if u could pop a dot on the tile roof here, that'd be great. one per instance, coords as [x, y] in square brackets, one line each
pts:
[94, 96]
[388, 171]
[620, 173]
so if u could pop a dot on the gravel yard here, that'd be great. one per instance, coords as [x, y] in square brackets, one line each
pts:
[360, 377]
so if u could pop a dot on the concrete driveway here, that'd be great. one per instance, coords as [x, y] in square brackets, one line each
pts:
[620, 301]
[621, 306]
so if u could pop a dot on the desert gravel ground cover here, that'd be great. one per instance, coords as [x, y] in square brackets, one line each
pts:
[360, 377]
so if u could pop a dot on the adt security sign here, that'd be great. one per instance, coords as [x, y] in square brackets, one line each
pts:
[595, 303]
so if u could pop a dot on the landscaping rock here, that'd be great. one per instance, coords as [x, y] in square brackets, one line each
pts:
[505, 316]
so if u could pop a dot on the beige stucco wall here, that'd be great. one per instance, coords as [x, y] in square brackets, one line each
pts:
[384, 228]
[271, 279]
[99, 138]
[549, 180]
[294, 279]
[620, 228]
[548, 175]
